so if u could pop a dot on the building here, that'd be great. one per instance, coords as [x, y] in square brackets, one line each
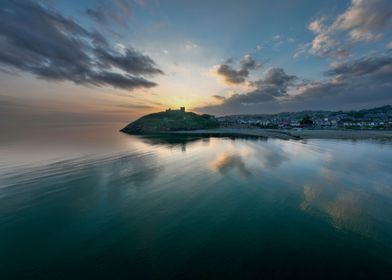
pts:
[182, 109]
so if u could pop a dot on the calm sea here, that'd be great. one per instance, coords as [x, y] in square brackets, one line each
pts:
[92, 203]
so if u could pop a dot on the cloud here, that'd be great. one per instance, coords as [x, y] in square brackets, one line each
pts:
[365, 66]
[364, 18]
[301, 49]
[248, 62]
[276, 77]
[273, 86]
[189, 45]
[324, 43]
[363, 21]
[131, 61]
[232, 76]
[119, 81]
[362, 82]
[125, 6]
[317, 26]
[219, 97]
[259, 48]
[365, 80]
[97, 14]
[41, 41]
[277, 38]
[119, 12]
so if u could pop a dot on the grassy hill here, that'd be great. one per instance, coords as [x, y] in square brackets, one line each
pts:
[173, 120]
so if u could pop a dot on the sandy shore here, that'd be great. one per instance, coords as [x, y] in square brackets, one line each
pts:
[294, 134]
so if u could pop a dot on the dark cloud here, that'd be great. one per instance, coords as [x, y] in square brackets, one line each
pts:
[131, 61]
[273, 86]
[233, 76]
[276, 77]
[119, 81]
[248, 62]
[36, 39]
[354, 84]
[363, 66]
[219, 97]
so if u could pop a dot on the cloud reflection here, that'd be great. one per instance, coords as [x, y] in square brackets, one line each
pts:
[227, 162]
[272, 158]
[347, 205]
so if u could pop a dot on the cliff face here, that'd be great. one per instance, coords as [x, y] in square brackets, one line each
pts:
[170, 121]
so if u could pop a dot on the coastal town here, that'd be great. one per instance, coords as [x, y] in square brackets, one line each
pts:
[379, 118]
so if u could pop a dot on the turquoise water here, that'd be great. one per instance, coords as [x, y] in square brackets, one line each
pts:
[124, 207]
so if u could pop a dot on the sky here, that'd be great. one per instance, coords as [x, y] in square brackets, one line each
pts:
[65, 61]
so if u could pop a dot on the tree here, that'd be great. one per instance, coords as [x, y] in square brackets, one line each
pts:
[307, 121]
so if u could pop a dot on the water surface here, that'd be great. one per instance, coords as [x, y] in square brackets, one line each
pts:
[124, 207]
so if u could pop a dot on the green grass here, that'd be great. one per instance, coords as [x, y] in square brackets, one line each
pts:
[171, 121]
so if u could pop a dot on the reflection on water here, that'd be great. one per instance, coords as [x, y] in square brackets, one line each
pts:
[199, 208]
[225, 162]
[173, 141]
[354, 191]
